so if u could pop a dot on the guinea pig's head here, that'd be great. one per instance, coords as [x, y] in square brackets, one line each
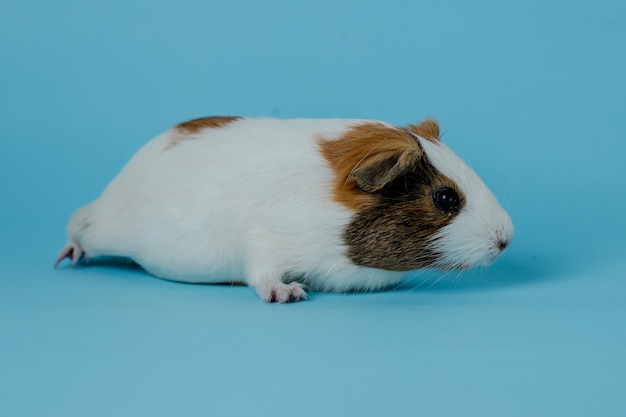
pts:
[416, 203]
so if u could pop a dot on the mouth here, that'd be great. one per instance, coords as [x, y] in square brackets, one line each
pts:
[463, 260]
[493, 256]
[464, 265]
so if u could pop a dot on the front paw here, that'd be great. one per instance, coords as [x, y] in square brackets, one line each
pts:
[278, 291]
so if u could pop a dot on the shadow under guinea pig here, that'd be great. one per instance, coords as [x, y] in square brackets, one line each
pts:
[522, 269]
[129, 269]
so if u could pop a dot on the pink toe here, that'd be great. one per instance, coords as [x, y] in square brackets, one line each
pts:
[65, 253]
[77, 253]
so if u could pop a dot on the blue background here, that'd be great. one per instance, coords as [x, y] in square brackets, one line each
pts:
[531, 93]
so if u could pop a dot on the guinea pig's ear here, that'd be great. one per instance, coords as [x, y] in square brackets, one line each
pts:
[379, 169]
[370, 156]
[428, 129]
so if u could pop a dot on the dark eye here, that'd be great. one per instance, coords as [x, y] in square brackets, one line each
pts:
[446, 199]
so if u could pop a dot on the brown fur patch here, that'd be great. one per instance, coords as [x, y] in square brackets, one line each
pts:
[196, 125]
[382, 174]
[393, 233]
[368, 157]
[186, 130]
[428, 129]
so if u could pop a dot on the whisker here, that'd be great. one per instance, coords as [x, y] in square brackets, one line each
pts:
[438, 279]
[414, 276]
[457, 279]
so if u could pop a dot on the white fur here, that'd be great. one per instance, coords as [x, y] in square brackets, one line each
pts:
[252, 202]
[247, 202]
[472, 238]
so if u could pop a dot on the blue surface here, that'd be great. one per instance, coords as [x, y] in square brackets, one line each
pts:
[531, 93]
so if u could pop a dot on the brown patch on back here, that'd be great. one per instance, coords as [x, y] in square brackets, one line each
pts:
[366, 158]
[196, 125]
[428, 129]
[187, 129]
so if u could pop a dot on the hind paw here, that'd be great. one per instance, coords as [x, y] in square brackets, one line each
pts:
[72, 251]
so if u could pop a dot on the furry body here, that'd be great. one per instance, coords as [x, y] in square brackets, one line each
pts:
[259, 201]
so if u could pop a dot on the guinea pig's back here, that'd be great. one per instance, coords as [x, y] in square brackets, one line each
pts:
[194, 203]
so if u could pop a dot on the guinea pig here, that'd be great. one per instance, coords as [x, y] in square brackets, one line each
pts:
[286, 206]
